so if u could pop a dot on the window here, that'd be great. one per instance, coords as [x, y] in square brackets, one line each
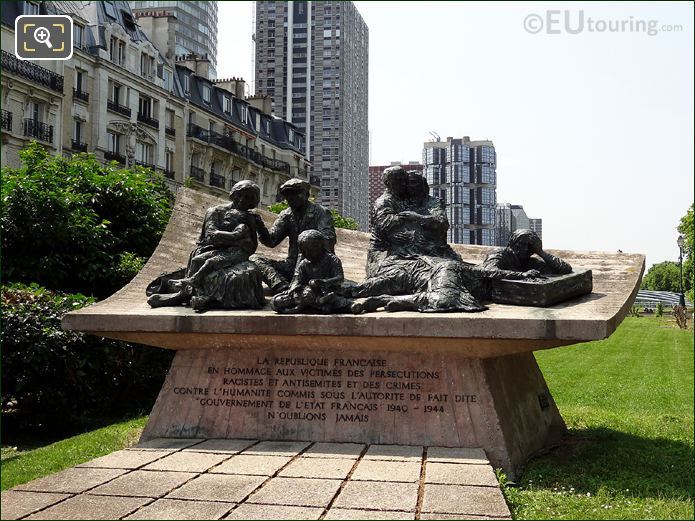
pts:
[168, 78]
[243, 109]
[145, 106]
[77, 131]
[113, 142]
[290, 135]
[80, 80]
[117, 51]
[146, 65]
[206, 93]
[186, 84]
[31, 8]
[227, 105]
[116, 93]
[143, 152]
[169, 161]
[169, 121]
[77, 36]
[35, 111]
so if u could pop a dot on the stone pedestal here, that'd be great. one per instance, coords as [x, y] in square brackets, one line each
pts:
[369, 396]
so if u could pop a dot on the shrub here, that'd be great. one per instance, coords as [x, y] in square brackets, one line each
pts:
[680, 313]
[635, 311]
[659, 309]
[74, 224]
[59, 378]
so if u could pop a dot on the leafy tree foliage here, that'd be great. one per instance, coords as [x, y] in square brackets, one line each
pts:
[664, 276]
[686, 228]
[76, 225]
[339, 221]
[57, 378]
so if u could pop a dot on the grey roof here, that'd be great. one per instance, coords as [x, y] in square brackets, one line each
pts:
[650, 298]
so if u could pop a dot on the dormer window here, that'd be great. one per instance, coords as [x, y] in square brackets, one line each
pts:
[77, 35]
[186, 84]
[267, 126]
[206, 93]
[244, 114]
[290, 135]
[227, 105]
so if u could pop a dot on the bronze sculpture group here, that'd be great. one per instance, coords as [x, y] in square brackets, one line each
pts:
[410, 265]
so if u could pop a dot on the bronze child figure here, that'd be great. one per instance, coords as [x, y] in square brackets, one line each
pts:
[317, 275]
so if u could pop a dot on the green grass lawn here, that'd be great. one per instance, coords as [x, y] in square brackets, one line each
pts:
[628, 403]
[21, 466]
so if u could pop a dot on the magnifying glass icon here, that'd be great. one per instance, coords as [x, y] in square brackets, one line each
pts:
[43, 35]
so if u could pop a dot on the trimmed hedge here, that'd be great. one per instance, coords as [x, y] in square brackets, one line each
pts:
[60, 378]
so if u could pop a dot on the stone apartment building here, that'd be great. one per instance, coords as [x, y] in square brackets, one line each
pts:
[119, 98]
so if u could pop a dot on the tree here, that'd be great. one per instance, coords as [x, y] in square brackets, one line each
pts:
[664, 276]
[339, 221]
[686, 228]
[74, 224]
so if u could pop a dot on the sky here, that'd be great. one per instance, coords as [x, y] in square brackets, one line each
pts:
[590, 114]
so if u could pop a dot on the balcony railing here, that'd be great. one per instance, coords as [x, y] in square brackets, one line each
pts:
[80, 94]
[216, 180]
[7, 120]
[198, 174]
[79, 146]
[114, 156]
[148, 120]
[115, 107]
[170, 131]
[228, 143]
[31, 71]
[38, 130]
[144, 164]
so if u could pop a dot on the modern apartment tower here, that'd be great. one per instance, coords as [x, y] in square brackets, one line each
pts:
[463, 173]
[512, 217]
[312, 59]
[536, 225]
[196, 26]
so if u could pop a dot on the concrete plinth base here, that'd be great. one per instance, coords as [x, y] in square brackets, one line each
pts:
[367, 396]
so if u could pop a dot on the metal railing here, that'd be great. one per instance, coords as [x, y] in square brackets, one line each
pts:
[216, 180]
[80, 94]
[31, 71]
[79, 146]
[114, 156]
[115, 107]
[38, 130]
[198, 174]
[144, 164]
[170, 131]
[148, 120]
[7, 120]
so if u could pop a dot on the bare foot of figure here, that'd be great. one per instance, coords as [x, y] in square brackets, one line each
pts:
[159, 300]
[373, 303]
[356, 308]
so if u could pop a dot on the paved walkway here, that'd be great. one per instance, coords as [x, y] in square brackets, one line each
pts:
[246, 479]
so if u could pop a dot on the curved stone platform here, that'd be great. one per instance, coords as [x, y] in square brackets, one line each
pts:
[449, 379]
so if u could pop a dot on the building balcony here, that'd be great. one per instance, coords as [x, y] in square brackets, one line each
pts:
[144, 164]
[38, 130]
[216, 180]
[7, 120]
[148, 120]
[32, 72]
[114, 156]
[80, 95]
[198, 174]
[78, 146]
[196, 132]
[170, 131]
[113, 106]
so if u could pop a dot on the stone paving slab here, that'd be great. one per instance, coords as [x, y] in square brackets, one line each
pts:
[460, 474]
[170, 444]
[180, 509]
[86, 506]
[188, 462]
[218, 487]
[17, 504]
[144, 483]
[252, 465]
[74, 480]
[328, 468]
[249, 511]
[297, 491]
[249, 479]
[221, 446]
[127, 459]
